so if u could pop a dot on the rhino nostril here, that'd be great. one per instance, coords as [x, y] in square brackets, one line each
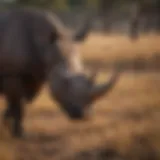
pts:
[76, 115]
[75, 112]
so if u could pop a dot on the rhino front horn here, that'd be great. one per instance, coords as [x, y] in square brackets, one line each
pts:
[101, 89]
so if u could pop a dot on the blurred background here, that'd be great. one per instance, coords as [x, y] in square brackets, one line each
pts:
[110, 15]
[122, 17]
[125, 123]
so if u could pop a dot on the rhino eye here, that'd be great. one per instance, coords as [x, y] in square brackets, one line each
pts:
[53, 37]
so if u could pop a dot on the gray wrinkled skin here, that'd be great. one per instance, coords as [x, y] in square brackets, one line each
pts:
[76, 92]
[36, 48]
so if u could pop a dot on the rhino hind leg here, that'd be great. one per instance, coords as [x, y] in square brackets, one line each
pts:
[14, 93]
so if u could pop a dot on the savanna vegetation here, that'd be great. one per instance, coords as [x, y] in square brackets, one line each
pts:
[124, 124]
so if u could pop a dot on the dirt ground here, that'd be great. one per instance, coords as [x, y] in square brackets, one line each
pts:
[124, 124]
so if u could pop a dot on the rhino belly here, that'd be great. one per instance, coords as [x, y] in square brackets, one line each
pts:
[32, 86]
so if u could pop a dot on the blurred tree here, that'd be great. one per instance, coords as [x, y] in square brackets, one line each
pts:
[57, 4]
[76, 3]
[148, 10]
[92, 3]
[60, 4]
[105, 7]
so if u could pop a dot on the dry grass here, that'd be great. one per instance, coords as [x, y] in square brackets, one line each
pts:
[113, 48]
[125, 123]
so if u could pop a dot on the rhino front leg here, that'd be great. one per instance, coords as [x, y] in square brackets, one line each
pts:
[7, 116]
[18, 117]
[14, 93]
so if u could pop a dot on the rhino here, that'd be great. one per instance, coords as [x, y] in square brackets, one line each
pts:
[36, 48]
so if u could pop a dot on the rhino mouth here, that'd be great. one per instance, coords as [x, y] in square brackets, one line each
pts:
[75, 113]
[76, 117]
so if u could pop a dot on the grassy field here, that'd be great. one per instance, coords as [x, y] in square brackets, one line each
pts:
[124, 124]
[104, 51]
[113, 48]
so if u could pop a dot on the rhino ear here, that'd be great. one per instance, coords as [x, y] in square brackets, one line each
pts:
[82, 33]
[53, 37]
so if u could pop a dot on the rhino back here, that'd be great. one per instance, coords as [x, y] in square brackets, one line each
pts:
[17, 51]
[13, 44]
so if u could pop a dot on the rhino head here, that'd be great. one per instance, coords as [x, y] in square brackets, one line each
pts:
[76, 92]
[69, 85]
